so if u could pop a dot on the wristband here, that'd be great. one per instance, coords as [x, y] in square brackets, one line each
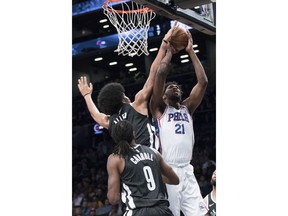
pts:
[165, 41]
[86, 94]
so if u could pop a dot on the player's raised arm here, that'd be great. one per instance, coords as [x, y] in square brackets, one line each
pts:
[86, 91]
[198, 91]
[141, 98]
[157, 104]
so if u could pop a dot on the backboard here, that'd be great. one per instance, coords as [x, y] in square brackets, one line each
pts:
[199, 14]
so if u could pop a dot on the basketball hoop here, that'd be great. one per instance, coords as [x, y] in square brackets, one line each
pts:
[132, 22]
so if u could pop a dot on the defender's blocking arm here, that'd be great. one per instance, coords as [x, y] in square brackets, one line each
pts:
[157, 104]
[86, 91]
[141, 98]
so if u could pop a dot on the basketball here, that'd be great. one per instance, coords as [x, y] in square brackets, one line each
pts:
[179, 39]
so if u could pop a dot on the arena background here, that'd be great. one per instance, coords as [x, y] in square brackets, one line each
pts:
[95, 37]
[36, 158]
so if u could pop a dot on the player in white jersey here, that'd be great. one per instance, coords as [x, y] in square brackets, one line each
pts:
[174, 118]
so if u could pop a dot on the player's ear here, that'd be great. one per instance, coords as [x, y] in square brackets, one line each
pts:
[126, 99]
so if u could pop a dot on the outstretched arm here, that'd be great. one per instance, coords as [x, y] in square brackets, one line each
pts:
[141, 98]
[86, 91]
[157, 104]
[198, 91]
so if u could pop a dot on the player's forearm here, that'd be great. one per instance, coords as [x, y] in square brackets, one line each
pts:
[165, 65]
[148, 87]
[165, 179]
[114, 198]
[170, 181]
[160, 79]
[160, 55]
[98, 117]
[199, 70]
[91, 106]
[170, 178]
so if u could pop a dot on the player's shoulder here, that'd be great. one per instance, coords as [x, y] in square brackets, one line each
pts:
[146, 148]
[127, 106]
[113, 158]
[183, 106]
[153, 150]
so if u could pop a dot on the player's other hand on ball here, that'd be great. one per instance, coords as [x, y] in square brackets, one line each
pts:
[190, 41]
[171, 49]
[168, 35]
[170, 32]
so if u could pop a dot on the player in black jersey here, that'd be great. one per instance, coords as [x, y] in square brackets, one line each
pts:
[115, 106]
[210, 199]
[139, 170]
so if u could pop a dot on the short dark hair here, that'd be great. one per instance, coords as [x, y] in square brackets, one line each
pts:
[172, 83]
[110, 98]
[123, 134]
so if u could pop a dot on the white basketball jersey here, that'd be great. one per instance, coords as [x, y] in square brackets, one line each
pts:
[176, 135]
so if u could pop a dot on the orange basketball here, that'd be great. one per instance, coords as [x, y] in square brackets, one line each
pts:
[179, 39]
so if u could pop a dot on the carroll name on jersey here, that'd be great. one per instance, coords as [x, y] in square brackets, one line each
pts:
[140, 157]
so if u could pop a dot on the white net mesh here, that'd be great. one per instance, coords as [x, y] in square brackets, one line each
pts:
[132, 22]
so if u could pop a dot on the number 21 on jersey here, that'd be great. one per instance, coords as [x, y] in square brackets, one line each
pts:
[179, 129]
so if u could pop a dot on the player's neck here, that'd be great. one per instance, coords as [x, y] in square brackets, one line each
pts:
[133, 143]
[175, 104]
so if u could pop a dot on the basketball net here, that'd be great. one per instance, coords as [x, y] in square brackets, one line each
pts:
[132, 22]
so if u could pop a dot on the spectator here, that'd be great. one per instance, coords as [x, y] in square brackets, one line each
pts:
[85, 208]
[210, 199]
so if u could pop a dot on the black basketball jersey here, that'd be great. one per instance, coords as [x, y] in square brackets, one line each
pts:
[142, 184]
[144, 131]
[211, 205]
